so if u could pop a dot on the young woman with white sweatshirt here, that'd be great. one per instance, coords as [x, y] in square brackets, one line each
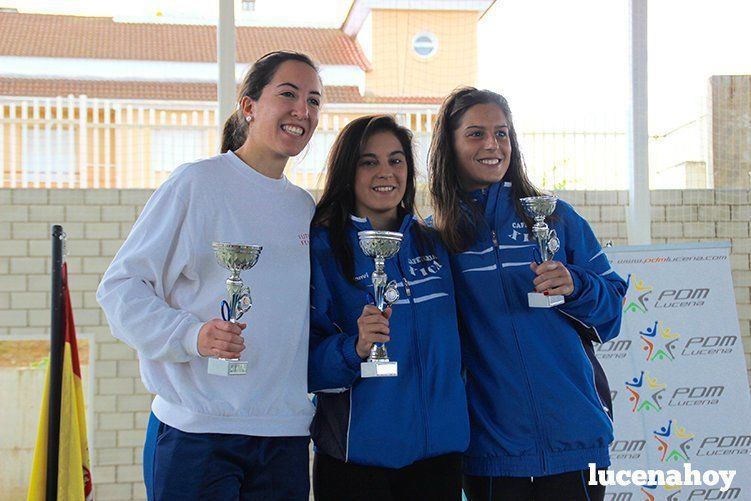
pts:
[214, 437]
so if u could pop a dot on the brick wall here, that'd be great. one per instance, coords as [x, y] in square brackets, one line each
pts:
[97, 221]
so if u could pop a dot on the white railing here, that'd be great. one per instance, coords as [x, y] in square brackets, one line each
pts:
[680, 157]
[78, 142]
[575, 160]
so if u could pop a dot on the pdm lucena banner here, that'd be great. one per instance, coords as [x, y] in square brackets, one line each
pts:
[678, 376]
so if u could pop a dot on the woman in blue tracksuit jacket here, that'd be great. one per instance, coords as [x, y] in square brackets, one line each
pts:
[382, 437]
[539, 402]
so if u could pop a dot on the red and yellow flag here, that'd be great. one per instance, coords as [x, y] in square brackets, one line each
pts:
[74, 468]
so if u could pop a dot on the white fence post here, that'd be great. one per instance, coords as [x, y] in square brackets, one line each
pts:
[141, 130]
[13, 146]
[35, 143]
[107, 144]
[96, 130]
[129, 145]
[118, 146]
[24, 143]
[72, 141]
[47, 127]
[83, 142]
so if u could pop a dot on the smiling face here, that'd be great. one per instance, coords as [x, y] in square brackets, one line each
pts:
[286, 113]
[380, 178]
[482, 147]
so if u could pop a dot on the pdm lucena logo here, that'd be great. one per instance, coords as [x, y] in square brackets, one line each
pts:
[645, 393]
[673, 442]
[659, 341]
[638, 301]
[643, 297]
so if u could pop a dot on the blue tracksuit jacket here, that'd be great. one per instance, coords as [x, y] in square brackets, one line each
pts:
[538, 399]
[388, 421]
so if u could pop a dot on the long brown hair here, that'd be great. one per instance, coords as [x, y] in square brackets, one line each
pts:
[337, 202]
[257, 77]
[454, 214]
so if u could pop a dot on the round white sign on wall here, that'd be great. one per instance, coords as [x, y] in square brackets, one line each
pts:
[425, 44]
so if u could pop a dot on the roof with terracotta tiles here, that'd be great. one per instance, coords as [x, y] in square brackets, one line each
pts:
[35, 35]
[169, 91]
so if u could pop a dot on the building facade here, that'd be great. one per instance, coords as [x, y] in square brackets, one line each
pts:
[97, 103]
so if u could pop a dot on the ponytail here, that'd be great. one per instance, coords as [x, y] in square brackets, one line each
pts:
[234, 133]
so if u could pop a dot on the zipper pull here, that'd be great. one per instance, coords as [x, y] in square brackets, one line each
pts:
[495, 239]
[406, 287]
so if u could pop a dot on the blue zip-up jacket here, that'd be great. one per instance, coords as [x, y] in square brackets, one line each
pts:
[538, 399]
[386, 421]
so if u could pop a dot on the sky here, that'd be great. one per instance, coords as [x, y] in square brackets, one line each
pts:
[559, 58]
[561, 64]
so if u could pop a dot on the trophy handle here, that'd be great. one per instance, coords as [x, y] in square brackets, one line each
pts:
[536, 255]
[224, 305]
[242, 301]
[553, 244]
[547, 245]
[391, 293]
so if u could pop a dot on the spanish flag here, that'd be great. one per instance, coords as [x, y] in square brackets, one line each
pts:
[73, 476]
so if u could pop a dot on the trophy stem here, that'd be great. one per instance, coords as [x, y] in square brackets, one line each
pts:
[378, 352]
[540, 224]
[234, 287]
[379, 286]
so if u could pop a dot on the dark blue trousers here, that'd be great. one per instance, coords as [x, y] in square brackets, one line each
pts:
[208, 466]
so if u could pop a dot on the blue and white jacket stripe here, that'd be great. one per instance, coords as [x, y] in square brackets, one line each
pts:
[393, 421]
[538, 399]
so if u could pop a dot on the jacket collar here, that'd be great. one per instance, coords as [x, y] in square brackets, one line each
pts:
[490, 199]
[363, 224]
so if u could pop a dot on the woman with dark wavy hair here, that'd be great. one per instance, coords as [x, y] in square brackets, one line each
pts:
[382, 438]
[539, 404]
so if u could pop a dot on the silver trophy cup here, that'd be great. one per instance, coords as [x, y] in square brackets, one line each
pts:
[380, 245]
[236, 258]
[539, 208]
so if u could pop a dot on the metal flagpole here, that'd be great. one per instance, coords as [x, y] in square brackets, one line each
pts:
[57, 346]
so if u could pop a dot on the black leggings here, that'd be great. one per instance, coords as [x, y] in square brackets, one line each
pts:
[569, 486]
[438, 478]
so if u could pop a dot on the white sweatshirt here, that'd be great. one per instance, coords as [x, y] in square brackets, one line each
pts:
[165, 282]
